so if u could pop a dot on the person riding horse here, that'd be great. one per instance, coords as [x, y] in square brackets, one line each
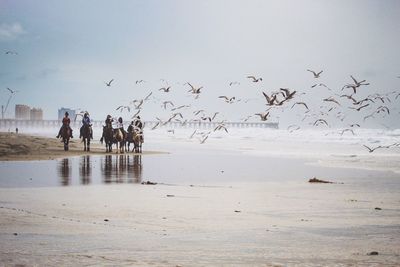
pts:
[86, 123]
[65, 125]
[109, 120]
[138, 123]
[120, 125]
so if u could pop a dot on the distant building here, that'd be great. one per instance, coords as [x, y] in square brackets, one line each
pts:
[22, 112]
[62, 111]
[36, 114]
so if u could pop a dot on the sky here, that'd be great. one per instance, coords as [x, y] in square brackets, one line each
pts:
[67, 50]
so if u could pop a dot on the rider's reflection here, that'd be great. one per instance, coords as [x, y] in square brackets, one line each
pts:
[85, 170]
[64, 171]
[122, 168]
[135, 169]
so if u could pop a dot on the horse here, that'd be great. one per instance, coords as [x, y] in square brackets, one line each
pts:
[66, 134]
[86, 136]
[108, 136]
[118, 138]
[135, 136]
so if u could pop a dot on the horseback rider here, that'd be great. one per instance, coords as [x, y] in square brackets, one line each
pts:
[86, 123]
[138, 123]
[120, 125]
[109, 120]
[65, 123]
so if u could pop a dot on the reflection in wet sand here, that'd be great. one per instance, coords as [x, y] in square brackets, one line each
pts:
[64, 171]
[85, 170]
[122, 169]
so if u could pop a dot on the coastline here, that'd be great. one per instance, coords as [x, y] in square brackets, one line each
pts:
[25, 147]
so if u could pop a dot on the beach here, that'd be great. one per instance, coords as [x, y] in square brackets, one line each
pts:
[211, 205]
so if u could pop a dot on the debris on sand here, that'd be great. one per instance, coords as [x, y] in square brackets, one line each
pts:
[238, 211]
[106, 220]
[315, 180]
[170, 195]
[373, 253]
[149, 183]
[377, 208]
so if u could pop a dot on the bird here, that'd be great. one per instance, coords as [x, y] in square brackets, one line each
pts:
[349, 97]
[356, 84]
[203, 140]
[9, 52]
[321, 84]
[254, 79]
[140, 103]
[191, 136]
[109, 83]
[360, 102]
[293, 127]
[165, 103]
[270, 100]
[383, 109]
[148, 96]
[316, 75]
[300, 103]
[286, 93]
[320, 121]
[354, 125]
[331, 99]
[220, 127]
[263, 116]
[197, 112]
[137, 113]
[177, 114]
[193, 89]
[182, 106]
[233, 83]
[165, 89]
[155, 126]
[12, 91]
[139, 81]
[228, 99]
[124, 107]
[359, 108]
[370, 150]
[347, 130]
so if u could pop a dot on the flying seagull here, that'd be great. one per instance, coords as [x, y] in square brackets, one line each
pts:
[254, 79]
[316, 75]
[109, 83]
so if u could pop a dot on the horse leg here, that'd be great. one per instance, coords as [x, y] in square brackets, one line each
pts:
[88, 144]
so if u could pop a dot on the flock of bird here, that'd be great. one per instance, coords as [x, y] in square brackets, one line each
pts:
[336, 104]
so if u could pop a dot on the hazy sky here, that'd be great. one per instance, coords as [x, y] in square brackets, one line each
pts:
[67, 49]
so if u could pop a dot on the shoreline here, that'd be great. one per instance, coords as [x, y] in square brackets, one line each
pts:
[35, 148]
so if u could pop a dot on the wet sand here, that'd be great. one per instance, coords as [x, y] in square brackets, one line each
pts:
[209, 208]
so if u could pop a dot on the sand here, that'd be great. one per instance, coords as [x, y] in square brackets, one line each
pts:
[15, 147]
[235, 221]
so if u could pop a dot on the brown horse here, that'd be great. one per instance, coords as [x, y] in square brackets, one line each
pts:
[66, 134]
[135, 136]
[119, 139]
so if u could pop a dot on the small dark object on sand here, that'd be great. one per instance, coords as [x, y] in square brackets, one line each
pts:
[15, 234]
[315, 180]
[170, 195]
[149, 183]
[106, 220]
[377, 208]
[237, 211]
[373, 253]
